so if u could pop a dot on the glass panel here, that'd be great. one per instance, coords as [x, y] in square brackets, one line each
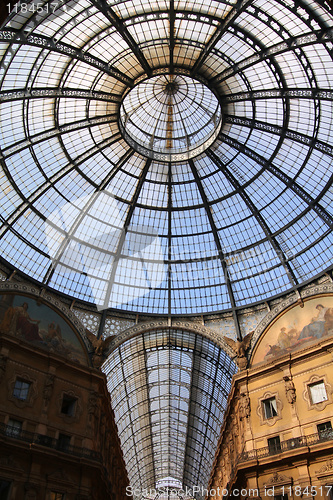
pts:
[270, 408]
[21, 389]
[14, 428]
[318, 392]
[169, 389]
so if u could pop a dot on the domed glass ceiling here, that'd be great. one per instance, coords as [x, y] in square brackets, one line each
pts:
[90, 211]
[170, 117]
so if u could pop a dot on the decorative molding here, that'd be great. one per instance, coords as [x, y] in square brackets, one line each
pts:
[47, 299]
[327, 480]
[260, 409]
[326, 468]
[235, 426]
[325, 473]
[290, 390]
[244, 405]
[31, 491]
[59, 475]
[8, 461]
[277, 480]
[48, 387]
[286, 304]
[163, 323]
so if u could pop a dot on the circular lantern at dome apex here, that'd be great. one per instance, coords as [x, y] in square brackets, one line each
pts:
[170, 117]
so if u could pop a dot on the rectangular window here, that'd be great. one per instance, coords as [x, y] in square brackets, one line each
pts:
[325, 430]
[4, 489]
[14, 428]
[64, 442]
[274, 444]
[68, 405]
[21, 389]
[55, 495]
[270, 408]
[317, 392]
[44, 440]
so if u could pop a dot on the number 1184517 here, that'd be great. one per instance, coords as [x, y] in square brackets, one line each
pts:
[39, 7]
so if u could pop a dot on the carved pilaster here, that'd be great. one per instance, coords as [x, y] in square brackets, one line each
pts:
[3, 363]
[290, 390]
[48, 390]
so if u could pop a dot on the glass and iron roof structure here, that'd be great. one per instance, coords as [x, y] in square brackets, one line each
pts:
[167, 157]
[169, 388]
[170, 117]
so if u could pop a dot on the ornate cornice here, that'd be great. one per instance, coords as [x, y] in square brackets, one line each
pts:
[326, 469]
[278, 480]
[49, 300]
[318, 290]
[190, 326]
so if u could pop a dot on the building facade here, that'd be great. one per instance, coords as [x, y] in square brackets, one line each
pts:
[277, 437]
[57, 430]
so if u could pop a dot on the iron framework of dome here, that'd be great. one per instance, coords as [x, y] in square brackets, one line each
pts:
[86, 214]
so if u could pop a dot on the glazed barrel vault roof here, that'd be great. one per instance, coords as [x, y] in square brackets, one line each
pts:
[169, 389]
[169, 158]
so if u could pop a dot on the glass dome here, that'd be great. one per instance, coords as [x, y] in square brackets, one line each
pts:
[239, 212]
[170, 117]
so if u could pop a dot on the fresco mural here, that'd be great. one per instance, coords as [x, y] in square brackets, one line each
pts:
[40, 325]
[296, 329]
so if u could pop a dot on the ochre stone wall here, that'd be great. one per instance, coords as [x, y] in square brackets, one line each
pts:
[277, 435]
[57, 430]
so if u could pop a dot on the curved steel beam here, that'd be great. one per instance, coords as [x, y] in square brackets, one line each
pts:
[312, 15]
[129, 413]
[71, 231]
[127, 222]
[218, 245]
[324, 94]
[253, 209]
[55, 132]
[145, 355]
[290, 42]
[311, 38]
[277, 130]
[44, 42]
[193, 413]
[284, 178]
[172, 34]
[281, 32]
[169, 238]
[236, 10]
[118, 23]
[188, 426]
[29, 202]
[48, 92]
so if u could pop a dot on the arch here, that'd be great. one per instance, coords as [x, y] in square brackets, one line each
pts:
[147, 326]
[320, 292]
[53, 327]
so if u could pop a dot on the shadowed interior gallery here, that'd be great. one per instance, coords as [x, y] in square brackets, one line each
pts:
[166, 293]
